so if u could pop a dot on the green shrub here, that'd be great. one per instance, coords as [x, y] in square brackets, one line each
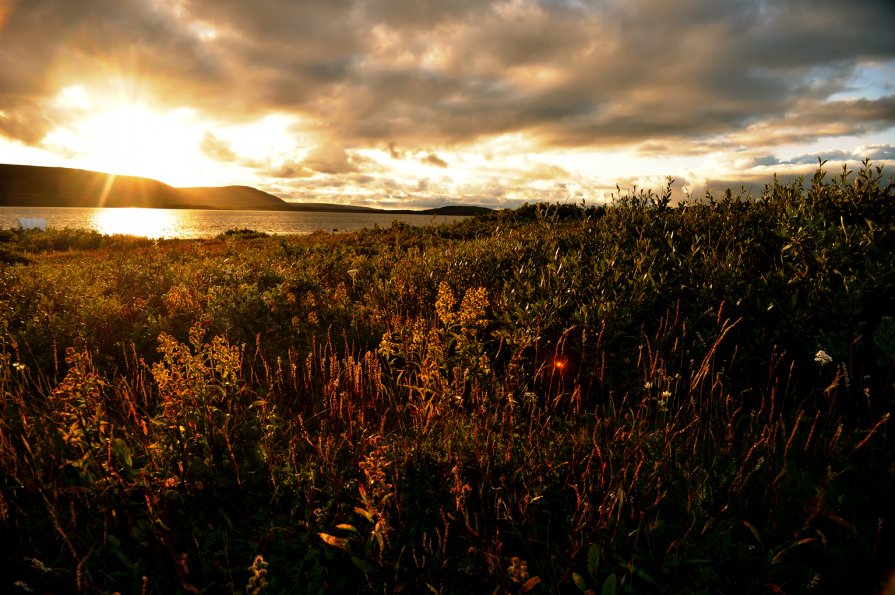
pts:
[636, 397]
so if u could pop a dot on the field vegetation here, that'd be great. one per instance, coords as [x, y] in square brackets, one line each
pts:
[556, 399]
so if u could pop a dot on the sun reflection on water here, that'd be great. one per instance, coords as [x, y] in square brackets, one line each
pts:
[150, 223]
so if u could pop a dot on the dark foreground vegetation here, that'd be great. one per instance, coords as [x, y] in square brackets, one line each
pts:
[635, 398]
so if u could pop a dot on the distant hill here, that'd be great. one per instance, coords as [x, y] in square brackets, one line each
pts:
[232, 197]
[28, 185]
[453, 210]
[37, 186]
[458, 210]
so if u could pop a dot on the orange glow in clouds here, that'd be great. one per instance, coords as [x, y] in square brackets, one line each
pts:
[119, 128]
[119, 133]
[127, 137]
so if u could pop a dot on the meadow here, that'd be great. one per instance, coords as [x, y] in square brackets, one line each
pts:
[636, 397]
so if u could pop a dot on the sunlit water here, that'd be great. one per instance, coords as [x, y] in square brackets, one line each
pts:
[192, 223]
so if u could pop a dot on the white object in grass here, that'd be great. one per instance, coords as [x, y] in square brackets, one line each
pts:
[33, 223]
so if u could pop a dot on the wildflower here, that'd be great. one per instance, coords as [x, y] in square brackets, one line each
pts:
[822, 357]
[258, 580]
[444, 304]
[472, 309]
[18, 366]
[518, 570]
[647, 385]
[388, 346]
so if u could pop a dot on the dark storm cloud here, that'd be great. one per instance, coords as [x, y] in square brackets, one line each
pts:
[862, 111]
[424, 73]
[619, 74]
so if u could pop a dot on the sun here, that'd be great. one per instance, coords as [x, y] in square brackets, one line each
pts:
[128, 137]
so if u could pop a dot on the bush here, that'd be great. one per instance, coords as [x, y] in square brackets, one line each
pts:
[561, 399]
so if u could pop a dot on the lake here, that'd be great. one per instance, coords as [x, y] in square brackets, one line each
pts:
[196, 223]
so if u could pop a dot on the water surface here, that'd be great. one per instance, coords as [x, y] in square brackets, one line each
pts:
[196, 223]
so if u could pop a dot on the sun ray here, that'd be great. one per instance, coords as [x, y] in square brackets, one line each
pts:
[120, 132]
[107, 187]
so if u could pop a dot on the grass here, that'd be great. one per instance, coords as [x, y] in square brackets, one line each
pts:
[558, 399]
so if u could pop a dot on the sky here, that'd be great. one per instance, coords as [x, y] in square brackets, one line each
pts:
[420, 103]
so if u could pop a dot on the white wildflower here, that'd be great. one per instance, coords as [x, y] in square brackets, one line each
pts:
[822, 357]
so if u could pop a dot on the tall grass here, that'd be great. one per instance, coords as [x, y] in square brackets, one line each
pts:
[557, 399]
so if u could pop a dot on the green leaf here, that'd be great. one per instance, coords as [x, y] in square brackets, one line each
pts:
[752, 530]
[594, 554]
[778, 557]
[646, 577]
[339, 542]
[122, 452]
[610, 586]
[530, 584]
[364, 513]
[884, 338]
[115, 546]
[579, 582]
[362, 564]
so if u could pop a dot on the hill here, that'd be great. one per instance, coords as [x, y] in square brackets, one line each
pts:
[231, 197]
[458, 210]
[28, 185]
[37, 186]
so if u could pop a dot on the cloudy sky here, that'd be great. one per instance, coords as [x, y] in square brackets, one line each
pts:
[419, 102]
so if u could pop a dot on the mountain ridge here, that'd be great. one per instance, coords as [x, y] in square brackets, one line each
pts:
[42, 186]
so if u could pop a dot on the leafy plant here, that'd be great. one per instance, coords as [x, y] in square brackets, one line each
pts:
[636, 397]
